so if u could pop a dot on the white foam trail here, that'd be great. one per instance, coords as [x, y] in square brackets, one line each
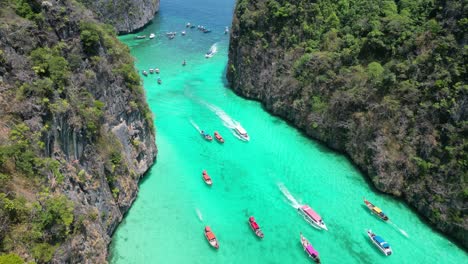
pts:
[227, 120]
[214, 48]
[195, 125]
[199, 214]
[294, 203]
[403, 232]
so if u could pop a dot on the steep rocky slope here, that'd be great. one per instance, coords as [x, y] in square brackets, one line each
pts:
[125, 16]
[383, 81]
[76, 133]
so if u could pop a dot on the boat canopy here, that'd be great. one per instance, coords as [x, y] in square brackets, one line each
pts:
[378, 210]
[311, 250]
[210, 235]
[255, 225]
[206, 177]
[311, 213]
[379, 239]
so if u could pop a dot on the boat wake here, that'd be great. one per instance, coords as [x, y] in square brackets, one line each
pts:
[195, 125]
[212, 51]
[228, 121]
[403, 232]
[292, 201]
[199, 214]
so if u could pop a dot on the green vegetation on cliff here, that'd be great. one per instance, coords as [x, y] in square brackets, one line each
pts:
[384, 81]
[65, 85]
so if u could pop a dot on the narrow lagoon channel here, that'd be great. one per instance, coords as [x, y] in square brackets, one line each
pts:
[264, 177]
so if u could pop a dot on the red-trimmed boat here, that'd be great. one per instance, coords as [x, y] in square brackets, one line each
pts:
[313, 254]
[206, 178]
[376, 210]
[253, 224]
[218, 137]
[211, 237]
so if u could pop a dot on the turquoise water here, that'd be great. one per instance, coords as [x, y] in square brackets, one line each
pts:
[165, 224]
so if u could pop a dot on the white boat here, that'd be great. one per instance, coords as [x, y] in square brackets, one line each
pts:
[312, 217]
[241, 132]
[210, 53]
[182, 33]
[152, 36]
[380, 243]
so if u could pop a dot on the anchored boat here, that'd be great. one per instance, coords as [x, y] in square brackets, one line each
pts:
[211, 237]
[312, 217]
[253, 224]
[380, 243]
[206, 178]
[309, 249]
[376, 210]
[218, 137]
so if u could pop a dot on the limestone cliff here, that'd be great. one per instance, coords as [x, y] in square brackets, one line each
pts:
[383, 81]
[125, 16]
[76, 132]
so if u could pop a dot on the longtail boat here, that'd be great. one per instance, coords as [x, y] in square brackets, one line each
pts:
[376, 210]
[309, 249]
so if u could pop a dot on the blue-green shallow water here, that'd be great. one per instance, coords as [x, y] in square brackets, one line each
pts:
[165, 224]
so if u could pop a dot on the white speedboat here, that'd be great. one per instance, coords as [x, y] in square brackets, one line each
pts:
[152, 36]
[210, 53]
[240, 131]
[312, 217]
[380, 243]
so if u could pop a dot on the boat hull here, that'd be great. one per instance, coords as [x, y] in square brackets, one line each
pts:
[244, 137]
[213, 241]
[305, 243]
[206, 178]
[258, 232]
[371, 207]
[208, 182]
[218, 137]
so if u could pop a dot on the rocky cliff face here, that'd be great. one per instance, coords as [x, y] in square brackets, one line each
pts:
[382, 81]
[125, 16]
[76, 132]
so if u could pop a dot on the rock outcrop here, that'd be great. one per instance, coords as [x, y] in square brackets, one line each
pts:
[76, 133]
[382, 81]
[125, 16]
